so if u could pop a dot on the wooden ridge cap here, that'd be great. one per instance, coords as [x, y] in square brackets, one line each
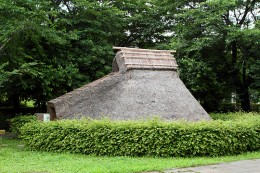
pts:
[142, 50]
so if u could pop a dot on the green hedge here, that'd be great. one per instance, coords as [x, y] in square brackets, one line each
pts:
[150, 138]
[17, 122]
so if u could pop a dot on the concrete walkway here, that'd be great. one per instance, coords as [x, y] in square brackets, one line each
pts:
[244, 166]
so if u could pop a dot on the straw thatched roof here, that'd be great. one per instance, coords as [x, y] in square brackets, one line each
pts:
[132, 58]
[143, 83]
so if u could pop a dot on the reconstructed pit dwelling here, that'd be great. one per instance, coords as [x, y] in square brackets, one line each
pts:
[144, 83]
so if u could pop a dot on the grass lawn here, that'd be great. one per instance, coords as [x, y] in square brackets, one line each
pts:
[14, 158]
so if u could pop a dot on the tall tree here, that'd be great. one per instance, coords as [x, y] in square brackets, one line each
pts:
[217, 39]
[146, 23]
[50, 47]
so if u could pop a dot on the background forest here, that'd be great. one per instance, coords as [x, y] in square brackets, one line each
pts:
[50, 47]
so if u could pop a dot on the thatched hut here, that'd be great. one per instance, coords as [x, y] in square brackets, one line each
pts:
[144, 83]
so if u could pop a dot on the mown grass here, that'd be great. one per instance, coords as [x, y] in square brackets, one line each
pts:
[15, 158]
[234, 116]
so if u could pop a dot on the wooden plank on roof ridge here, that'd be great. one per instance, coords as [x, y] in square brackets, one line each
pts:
[147, 53]
[153, 67]
[136, 65]
[152, 58]
[141, 50]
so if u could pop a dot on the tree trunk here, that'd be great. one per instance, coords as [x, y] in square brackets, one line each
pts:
[241, 87]
[16, 103]
[234, 70]
[244, 99]
[244, 95]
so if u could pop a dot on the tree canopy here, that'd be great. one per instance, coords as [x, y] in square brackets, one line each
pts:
[50, 47]
[218, 48]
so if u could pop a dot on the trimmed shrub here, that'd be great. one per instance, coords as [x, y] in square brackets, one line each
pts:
[144, 138]
[17, 122]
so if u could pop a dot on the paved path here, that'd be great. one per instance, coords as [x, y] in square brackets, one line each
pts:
[244, 166]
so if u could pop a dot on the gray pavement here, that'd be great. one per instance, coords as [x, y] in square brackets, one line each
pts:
[244, 166]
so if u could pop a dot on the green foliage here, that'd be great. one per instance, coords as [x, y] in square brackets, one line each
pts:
[19, 121]
[145, 138]
[201, 79]
[48, 48]
[145, 23]
[35, 63]
[216, 44]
